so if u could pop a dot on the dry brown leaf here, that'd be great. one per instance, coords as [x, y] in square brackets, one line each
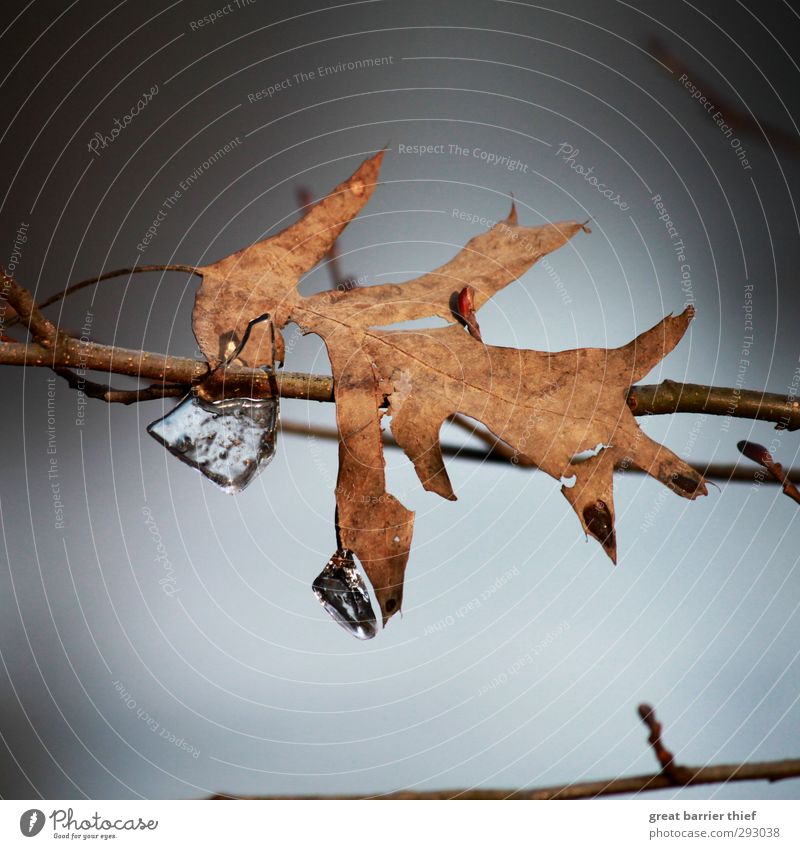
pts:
[263, 278]
[548, 407]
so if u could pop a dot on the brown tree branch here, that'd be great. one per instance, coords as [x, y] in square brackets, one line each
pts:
[27, 312]
[760, 455]
[93, 281]
[670, 776]
[740, 119]
[671, 397]
[663, 755]
[57, 350]
[644, 400]
[693, 776]
[498, 452]
[107, 393]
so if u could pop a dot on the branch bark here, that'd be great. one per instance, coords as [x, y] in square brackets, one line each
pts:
[670, 776]
[27, 312]
[644, 400]
[694, 776]
[54, 349]
[672, 397]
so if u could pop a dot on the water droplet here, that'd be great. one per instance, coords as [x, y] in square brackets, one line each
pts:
[229, 441]
[341, 591]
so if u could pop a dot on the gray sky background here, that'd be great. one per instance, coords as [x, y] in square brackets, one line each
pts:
[237, 681]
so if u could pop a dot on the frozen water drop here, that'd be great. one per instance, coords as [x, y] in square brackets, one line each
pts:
[341, 591]
[229, 441]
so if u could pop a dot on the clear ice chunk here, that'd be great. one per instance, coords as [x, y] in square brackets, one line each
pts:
[229, 441]
[341, 591]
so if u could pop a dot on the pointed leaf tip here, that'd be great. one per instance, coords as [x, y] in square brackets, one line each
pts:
[263, 277]
[512, 216]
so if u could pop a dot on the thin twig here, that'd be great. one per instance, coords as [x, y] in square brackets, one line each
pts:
[499, 452]
[671, 397]
[93, 281]
[27, 311]
[663, 755]
[692, 776]
[760, 455]
[670, 776]
[741, 120]
[109, 394]
[118, 272]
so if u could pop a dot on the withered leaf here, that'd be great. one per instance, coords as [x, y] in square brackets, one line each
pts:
[548, 407]
[263, 278]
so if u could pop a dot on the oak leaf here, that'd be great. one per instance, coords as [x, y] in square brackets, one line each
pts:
[549, 407]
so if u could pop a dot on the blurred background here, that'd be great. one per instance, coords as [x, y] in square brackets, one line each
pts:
[160, 638]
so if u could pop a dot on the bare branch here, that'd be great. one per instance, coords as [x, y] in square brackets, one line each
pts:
[670, 776]
[758, 454]
[663, 755]
[742, 121]
[57, 350]
[120, 396]
[93, 281]
[27, 312]
[498, 452]
[672, 397]
[645, 400]
[693, 776]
